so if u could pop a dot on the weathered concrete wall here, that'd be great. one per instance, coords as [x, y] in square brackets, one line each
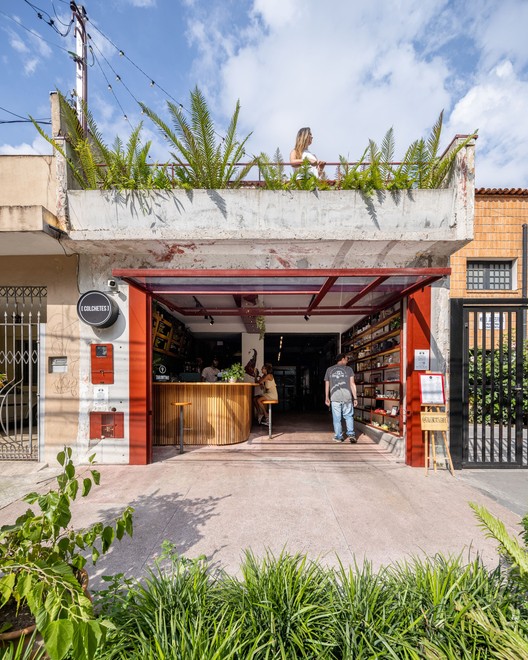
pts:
[249, 214]
[260, 229]
[114, 396]
[28, 181]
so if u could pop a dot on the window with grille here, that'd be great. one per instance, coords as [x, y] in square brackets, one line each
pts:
[491, 275]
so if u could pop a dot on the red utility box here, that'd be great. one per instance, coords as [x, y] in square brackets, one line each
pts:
[107, 425]
[102, 364]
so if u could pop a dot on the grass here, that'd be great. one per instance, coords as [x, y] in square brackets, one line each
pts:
[287, 606]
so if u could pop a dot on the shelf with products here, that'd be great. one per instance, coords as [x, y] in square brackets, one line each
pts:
[374, 349]
[366, 336]
[168, 335]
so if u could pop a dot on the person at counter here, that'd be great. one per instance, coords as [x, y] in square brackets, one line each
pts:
[269, 392]
[210, 374]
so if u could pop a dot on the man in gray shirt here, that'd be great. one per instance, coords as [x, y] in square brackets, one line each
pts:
[341, 396]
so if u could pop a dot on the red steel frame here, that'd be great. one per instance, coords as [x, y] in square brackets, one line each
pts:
[418, 337]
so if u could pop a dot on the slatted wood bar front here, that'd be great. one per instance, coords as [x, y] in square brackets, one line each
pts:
[220, 413]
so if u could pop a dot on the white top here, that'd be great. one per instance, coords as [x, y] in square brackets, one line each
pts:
[313, 159]
[209, 374]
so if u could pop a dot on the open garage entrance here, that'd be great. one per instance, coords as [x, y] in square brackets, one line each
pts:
[308, 315]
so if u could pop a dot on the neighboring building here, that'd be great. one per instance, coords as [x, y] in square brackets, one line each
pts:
[314, 264]
[491, 265]
[489, 383]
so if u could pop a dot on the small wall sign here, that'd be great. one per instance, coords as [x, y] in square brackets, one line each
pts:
[421, 360]
[97, 309]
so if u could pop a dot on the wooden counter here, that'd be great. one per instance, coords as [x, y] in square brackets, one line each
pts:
[221, 413]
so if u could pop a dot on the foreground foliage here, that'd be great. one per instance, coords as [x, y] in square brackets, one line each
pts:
[497, 369]
[41, 555]
[287, 606]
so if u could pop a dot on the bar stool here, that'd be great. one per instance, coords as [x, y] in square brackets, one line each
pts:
[269, 403]
[181, 405]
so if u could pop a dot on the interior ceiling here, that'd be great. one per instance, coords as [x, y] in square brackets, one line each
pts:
[216, 301]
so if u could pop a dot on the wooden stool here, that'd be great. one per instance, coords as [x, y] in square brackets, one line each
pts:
[269, 403]
[181, 405]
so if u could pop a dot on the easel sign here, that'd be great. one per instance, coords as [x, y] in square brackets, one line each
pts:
[432, 390]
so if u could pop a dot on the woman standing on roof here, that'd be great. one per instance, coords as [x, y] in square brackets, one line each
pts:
[300, 152]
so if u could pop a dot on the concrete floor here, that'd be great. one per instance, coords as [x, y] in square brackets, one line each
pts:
[298, 491]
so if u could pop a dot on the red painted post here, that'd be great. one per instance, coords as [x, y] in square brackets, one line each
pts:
[418, 337]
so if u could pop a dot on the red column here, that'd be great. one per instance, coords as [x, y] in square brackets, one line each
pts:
[140, 371]
[418, 337]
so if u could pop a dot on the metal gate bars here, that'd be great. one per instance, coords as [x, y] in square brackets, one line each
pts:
[489, 383]
[20, 319]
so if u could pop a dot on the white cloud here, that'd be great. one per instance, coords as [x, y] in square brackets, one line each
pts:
[500, 31]
[142, 3]
[354, 70]
[30, 65]
[497, 105]
[16, 42]
[38, 147]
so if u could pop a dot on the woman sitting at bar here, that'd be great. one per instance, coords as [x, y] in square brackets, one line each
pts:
[269, 392]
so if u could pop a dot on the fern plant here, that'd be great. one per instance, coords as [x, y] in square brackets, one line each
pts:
[509, 547]
[421, 166]
[272, 171]
[204, 160]
[95, 165]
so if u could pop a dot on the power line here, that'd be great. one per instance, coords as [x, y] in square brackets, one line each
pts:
[25, 121]
[35, 34]
[151, 80]
[21, 119]
[41, 13]
[110, 88]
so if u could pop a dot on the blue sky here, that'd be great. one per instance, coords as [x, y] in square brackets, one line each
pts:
[350, 70]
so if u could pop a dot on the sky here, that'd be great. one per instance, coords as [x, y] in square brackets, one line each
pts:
[349, 69]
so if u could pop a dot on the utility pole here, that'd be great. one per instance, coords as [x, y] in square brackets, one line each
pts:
[81, 61]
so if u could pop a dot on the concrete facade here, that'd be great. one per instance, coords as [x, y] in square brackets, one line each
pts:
[71, 240]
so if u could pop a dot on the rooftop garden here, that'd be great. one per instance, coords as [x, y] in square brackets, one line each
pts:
[202, 158]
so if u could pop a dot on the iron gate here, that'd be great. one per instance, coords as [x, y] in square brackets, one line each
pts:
[489, 383]
[20, 320]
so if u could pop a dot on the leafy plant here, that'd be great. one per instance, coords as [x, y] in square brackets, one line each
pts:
[492, 379]
[41, 557]
[95, 165]
[204, 159]
[272, 171]
[260, 322]
[303, 178]
[235, 373]
[421, 167]
[509, 547]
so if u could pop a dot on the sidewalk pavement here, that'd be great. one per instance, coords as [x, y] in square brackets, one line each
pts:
[298, 491]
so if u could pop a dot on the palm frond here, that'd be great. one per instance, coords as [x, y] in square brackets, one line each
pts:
[508, 545]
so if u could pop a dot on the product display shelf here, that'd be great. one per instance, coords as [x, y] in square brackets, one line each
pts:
[167, 337]
[375, 353]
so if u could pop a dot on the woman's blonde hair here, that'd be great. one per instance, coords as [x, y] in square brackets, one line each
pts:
[301, 143]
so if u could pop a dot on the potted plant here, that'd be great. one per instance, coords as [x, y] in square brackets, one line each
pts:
[234, 374]
[3, 378]
[42, 558]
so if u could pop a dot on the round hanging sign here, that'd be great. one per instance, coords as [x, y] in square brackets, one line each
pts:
[97, 309]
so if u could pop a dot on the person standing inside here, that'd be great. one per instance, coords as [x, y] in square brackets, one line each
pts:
[300, 152]
[210, 374]
[341, 396]
[269, 392]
